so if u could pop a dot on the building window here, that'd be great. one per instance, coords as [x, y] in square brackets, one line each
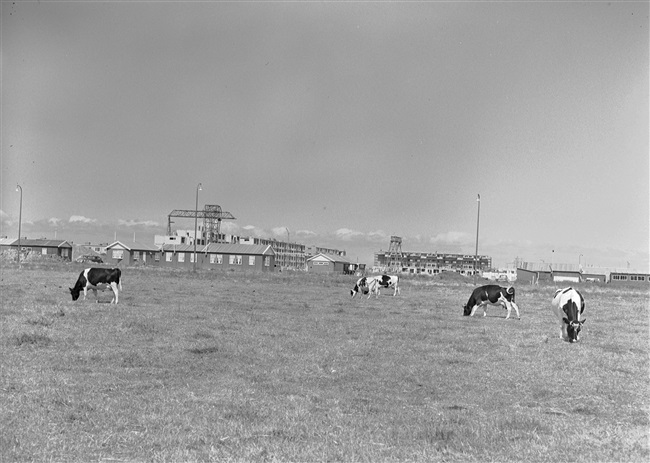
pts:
[181, 257]
[44, 251]
[251, 260]
[156, 257]
[239, 260]
[267, 261]
[168, 256]
[118, 254]
[234, 260]
[191, 257]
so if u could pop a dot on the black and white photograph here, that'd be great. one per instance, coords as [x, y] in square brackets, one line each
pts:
[309, 231]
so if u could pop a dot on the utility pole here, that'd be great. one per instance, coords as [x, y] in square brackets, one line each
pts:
[478, 217]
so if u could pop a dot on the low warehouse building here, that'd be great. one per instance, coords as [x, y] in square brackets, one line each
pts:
[42, 247]
[326, 263]
[222, 256]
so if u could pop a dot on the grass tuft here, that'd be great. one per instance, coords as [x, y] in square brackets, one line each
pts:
[204, 350]
[32, 339]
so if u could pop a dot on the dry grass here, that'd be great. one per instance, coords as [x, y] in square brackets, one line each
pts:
[285, 367]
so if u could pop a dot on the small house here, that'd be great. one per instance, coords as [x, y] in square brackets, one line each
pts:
[327, 263]
[128, 254]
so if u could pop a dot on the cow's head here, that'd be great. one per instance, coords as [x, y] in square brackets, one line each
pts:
[75, 293]
[361, 285]
[467, 310]
[573, 329]
[510, 293]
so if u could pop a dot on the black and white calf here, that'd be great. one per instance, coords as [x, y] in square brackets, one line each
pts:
[494, 295]
[371, 285]
[98, 278]
[568, 305]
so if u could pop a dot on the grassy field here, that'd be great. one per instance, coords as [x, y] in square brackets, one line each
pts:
[286, 367]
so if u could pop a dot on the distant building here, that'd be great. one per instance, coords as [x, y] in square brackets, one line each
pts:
[134, 253]
[502, 274]
[534, 273]
[433, 263]
[40, 247]
[327, 263]
[219, 256]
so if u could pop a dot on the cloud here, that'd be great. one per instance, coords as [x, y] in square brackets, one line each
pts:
[5, 219]
[346, 234]
[54, 221]
[306, 233]
[138, 223]
[81, 219]
[451, 237]
[279, 231]
[255, 231]
[378, 236]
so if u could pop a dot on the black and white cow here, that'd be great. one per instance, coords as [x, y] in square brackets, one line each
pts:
[568, 305]
[494, 295]
[98, 278]
[360, 287]
[371, 285]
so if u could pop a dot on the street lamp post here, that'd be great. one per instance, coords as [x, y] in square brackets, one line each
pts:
[196, 214]
[478, 216]
[20, 219]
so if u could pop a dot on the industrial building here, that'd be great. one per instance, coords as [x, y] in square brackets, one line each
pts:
[428, 263]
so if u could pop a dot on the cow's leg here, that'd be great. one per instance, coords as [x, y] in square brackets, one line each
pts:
[85, 291]
[473, 310]
[485, 306]
[508, 309]
[95, 293]
[514, 304]
[115, 292]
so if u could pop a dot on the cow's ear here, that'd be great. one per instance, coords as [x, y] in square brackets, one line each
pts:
[583, 320]
[566, 320]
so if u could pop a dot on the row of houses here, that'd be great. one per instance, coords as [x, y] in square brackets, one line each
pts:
[262, 257]
[224, 256]
[538, 272]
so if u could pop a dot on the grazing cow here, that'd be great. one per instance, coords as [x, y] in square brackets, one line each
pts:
[384, 281]
[98, 278]
[494, 295]
[371, 285]
[360, 286]
[568, 305]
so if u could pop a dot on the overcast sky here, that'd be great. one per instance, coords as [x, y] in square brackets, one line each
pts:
[343, 123]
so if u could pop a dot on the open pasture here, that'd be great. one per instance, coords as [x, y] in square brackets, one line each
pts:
[286, 367]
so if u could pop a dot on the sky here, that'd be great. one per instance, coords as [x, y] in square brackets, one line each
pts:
[334, 124]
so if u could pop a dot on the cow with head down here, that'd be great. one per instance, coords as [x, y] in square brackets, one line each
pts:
[98, 278]
[491, 295]
[568, 306]
[370, 285]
